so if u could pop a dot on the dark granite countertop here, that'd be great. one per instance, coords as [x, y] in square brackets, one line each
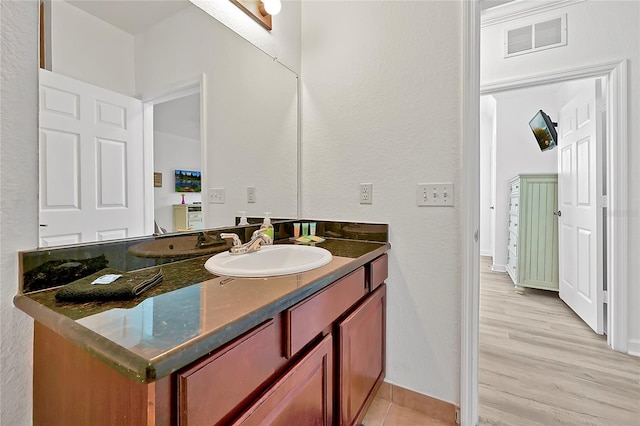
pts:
[188, 315]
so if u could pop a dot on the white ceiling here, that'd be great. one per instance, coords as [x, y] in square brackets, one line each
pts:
[135, 16]
[488, 4]
[132, 16]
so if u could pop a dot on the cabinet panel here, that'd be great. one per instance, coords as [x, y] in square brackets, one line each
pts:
[361, 356]
[187, 216]
[303, 396]
[72, 387]
[310, 317]
[214, 389]
[379, 270]
[533, 239]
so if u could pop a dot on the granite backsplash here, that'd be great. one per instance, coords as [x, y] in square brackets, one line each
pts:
[47, 268]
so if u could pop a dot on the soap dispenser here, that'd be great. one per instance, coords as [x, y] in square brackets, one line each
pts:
[243, 218]
[267, 227]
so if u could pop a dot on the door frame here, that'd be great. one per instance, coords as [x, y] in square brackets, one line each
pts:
[178, 90]
[617, 184]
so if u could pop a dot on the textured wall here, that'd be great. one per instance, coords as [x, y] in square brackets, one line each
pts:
[282, 42]
[381, 104]
[18, 198]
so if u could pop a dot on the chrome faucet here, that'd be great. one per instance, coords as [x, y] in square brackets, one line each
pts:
[257, 240]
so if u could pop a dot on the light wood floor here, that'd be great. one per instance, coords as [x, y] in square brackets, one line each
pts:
[539, 364]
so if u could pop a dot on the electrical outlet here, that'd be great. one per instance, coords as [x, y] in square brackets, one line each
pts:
[251, 194]
[216, 195]
[434, 194]
[366, 193]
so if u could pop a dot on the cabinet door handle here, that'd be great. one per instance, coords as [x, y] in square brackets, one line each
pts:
[558, 213]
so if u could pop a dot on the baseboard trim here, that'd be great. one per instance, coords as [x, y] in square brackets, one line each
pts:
[432, 407]
[633, 347]
[498, 268]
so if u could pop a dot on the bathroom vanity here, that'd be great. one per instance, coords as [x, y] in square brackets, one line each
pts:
[305, 348]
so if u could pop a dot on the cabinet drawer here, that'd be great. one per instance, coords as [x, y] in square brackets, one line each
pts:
[513, 243]
[243, 366]
[302, 396]
[515, 187]
[512, 262]
[378, 271]
[513, 224]
[514, 204]
[308, 318]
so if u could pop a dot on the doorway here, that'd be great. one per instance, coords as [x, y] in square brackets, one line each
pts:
[616, 173]
[174, 148]
[508, 149]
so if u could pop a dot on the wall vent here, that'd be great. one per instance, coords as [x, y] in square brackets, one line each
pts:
[535, 36]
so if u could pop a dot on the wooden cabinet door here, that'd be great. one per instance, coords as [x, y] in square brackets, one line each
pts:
[361, 357]
[215, 389]
[302, 396]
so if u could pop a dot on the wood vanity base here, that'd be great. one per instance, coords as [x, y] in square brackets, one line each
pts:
[321, 360]
[71, 387]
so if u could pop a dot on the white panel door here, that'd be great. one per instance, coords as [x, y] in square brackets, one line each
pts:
[580, 220]
[91, 163]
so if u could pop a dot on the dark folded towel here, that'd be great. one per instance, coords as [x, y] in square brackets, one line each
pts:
[130, 285]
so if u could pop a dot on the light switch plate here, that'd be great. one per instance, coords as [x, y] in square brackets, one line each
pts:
[216, 195]
[434, 194]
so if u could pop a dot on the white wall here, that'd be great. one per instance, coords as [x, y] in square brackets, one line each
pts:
[381, 99]
[89, 49]
[251, 111]
[487, 145]
[598, 32]
[517, 151]
[176, 145]
[18, 187]
[282, 42]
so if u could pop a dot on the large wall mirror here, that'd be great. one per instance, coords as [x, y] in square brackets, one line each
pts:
[146, 104]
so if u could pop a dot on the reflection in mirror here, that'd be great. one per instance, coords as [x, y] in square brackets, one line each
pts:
[132, 92]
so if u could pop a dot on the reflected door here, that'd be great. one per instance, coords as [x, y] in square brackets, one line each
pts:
[91, 163]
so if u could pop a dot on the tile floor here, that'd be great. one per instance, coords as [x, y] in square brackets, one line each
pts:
[386, 413]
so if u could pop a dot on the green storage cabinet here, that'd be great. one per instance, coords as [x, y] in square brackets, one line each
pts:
[532, 248]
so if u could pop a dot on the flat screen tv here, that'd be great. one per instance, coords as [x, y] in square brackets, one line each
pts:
[544, 130]
[188, 181]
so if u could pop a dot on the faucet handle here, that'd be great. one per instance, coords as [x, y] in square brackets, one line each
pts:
[234, 237]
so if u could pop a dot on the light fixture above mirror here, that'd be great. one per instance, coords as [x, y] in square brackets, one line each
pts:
[260, 11]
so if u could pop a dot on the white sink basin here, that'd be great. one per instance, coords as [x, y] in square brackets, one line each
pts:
[269, 261]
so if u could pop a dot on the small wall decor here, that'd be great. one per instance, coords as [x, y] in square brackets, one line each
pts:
[157, 180]
[188, 181]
